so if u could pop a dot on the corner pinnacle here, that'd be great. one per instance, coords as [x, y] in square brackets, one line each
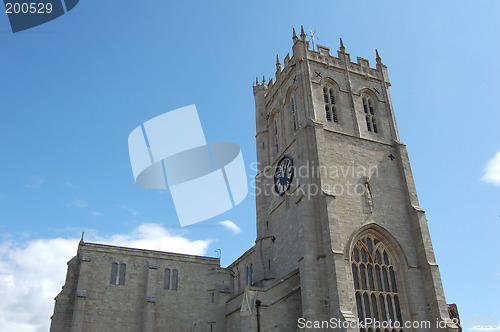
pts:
[342, 48]
[379, 60]
[302, 34]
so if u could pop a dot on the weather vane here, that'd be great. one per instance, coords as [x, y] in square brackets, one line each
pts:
[312, 38]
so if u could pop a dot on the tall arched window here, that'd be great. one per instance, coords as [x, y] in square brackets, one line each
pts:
[121, 277]
[276, 138]
[238, 280]
[293, 112]
[374, 278]
[175, 279]
[330, 105]
[166, 280]
[114, 273]
[251, 274]
[369, 108]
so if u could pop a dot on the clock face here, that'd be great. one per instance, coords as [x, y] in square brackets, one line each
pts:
[283, 175]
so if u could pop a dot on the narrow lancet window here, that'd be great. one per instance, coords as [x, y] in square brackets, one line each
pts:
[121, 280]
[114, 273]
[175, 278]
[276, 138]
[166, 280]
[251, 274]
[294, 113]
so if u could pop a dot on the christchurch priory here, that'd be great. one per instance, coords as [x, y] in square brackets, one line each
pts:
[332, 249]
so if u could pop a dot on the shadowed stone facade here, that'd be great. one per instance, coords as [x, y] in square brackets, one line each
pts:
[347, 240]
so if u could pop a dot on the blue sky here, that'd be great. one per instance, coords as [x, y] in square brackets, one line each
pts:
[73, 89]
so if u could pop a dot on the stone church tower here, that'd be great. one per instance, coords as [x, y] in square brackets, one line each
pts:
[340, 232]
[350, 219]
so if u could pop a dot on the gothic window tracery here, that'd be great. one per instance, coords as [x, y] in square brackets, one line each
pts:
[374, 277]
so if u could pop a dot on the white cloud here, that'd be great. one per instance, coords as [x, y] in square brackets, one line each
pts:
[96, 214]
[156, 237]
[32, 273]
[129, 209]
[79, 203]
[231, 226]
[35, 182]
[30, 277]
[492, 172]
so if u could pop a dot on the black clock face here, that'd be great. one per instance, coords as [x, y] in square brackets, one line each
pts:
[283, 175]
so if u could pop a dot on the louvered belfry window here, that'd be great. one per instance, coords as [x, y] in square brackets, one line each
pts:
[369, 108]
[330, 105]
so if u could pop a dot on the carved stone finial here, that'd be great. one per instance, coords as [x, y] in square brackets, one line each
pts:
[278, 63]
[263, 79]
[294, 37]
